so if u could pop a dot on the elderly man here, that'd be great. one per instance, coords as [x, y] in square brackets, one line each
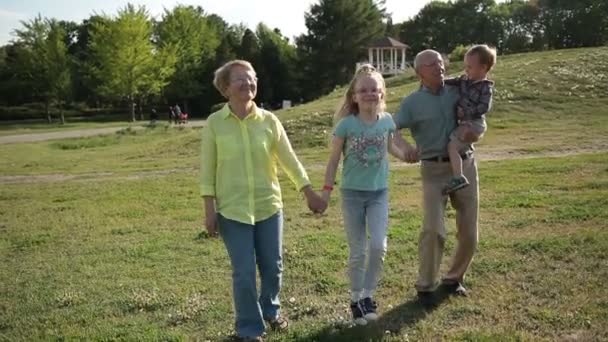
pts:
[429, 114]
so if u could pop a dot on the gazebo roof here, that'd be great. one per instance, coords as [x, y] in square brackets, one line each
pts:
[387, 42]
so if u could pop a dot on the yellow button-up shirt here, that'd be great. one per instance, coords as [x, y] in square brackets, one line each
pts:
[239, 164]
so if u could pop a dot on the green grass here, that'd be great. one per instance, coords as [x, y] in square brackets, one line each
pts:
[100, 237]
[124, 259]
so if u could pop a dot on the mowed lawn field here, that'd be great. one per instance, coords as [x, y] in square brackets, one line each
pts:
[101, 238]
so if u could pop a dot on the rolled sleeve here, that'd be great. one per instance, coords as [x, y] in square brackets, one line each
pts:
[208, 162]
[403, 118]
[288, 159]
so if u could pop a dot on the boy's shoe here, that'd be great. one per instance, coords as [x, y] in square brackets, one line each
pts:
[456, 183]
[357, 312]
[369, 309]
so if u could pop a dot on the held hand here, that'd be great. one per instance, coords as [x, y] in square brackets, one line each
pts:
[211, 223]
[411, 154]
[325, 195]
[315, 203]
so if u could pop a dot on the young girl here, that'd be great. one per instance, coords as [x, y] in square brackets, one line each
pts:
[364, 134]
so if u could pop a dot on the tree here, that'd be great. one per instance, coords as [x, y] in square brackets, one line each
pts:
[188, 32]
[574, 23]
[44, 63]
[276, 64]
[124, 62]
[338, 33]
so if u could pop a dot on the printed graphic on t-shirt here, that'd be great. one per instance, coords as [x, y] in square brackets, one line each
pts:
[368, 150]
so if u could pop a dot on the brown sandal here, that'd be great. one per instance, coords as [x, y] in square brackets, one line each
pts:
[278, 324]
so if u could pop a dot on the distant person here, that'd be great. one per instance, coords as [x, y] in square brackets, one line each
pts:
[153, 116]
[429, 114]
[178, 113]
[242, 145]
[171, 114]
[364, 134]
[475, 101]
[183, 118]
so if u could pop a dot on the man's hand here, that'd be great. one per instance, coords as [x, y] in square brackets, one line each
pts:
[460, 113]
[411, 154]
[467, 134]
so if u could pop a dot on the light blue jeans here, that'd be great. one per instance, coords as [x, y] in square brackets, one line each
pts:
[248, 245]
[361, 210]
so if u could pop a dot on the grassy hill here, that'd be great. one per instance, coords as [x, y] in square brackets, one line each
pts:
[100, 238]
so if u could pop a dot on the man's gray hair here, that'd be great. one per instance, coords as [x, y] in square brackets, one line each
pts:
[421, 55]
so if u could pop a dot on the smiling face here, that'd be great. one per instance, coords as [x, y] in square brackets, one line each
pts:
[430, 69]
[473, 67]
[368, 93]
[242, 84]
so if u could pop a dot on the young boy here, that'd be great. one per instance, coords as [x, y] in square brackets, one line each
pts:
[475, 101]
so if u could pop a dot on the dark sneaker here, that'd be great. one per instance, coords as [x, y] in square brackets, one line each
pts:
[455, 288]
[369, 309]
[456, 183]
[357, 312]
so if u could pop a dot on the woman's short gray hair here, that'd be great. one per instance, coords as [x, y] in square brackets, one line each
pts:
[221, 77]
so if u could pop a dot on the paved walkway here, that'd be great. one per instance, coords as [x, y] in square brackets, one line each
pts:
[79, 133]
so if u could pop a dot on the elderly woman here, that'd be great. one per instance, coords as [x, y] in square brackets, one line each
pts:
[242, 197]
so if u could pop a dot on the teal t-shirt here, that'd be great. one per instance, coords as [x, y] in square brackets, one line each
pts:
[365, 165]
[431, 118]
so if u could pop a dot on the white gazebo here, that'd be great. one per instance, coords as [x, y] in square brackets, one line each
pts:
[387, 55]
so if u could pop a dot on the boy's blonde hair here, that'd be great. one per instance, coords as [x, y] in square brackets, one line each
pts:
[348, 106]
[221, 76]
[487, 55]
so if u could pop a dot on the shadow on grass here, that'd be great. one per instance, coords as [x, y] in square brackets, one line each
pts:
[391, 322]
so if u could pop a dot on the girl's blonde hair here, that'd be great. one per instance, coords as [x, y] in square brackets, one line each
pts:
[348, 106]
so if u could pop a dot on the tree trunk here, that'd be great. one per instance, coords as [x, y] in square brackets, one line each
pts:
[141, 111]
[133, 119]
[47, 108]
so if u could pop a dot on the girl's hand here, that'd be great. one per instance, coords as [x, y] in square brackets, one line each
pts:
[411, 154]
[315, 203]
[325, 195]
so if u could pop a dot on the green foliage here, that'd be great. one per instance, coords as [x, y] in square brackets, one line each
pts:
[458, 53]
[124, 61]
[338, 32]
[188, 34]
[45, 64]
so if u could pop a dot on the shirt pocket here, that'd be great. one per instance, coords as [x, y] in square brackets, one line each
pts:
[228, 147]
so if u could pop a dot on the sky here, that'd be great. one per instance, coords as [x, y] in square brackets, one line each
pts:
[286, 15]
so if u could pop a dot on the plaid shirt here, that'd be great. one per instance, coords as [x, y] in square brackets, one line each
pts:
[475, 96]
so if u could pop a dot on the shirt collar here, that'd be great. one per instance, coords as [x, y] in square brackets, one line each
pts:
[428, 90]
[255, 111]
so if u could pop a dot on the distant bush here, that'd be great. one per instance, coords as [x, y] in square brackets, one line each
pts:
[216, 107]
[458, 53]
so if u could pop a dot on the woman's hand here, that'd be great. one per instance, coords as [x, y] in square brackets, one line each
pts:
[211, 224]
[315, 203]
[210, 217]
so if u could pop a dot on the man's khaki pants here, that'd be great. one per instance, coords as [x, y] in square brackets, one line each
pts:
[435, 176]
